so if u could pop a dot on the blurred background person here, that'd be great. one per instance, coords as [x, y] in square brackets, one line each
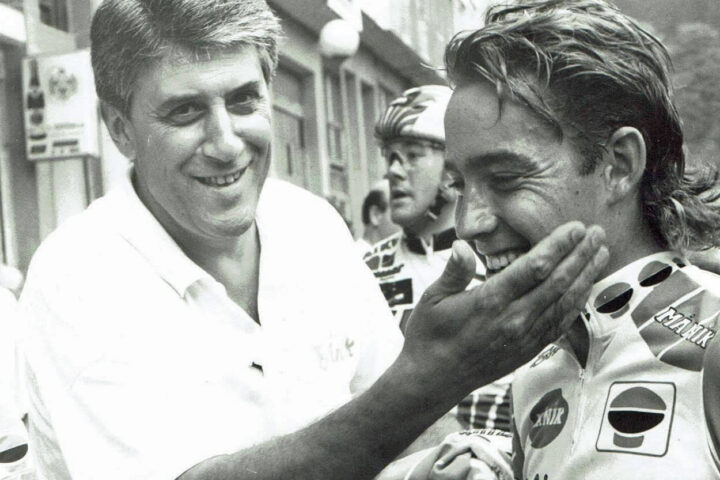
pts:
[422, 202]
[377, 224]
[11, 279]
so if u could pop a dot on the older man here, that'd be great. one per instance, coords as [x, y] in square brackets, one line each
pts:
[178, 333]
[563, 111]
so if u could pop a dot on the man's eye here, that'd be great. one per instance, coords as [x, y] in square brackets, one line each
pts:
[184, 113]
[242, 102]
[504, 182]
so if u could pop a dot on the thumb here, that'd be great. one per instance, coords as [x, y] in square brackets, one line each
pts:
[458, 272]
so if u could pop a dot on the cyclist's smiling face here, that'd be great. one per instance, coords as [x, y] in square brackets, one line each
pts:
[517, 179]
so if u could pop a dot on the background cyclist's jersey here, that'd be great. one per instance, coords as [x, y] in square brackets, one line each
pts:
[635, 410]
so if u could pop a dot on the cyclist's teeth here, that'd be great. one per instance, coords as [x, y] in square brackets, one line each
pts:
[498, 262]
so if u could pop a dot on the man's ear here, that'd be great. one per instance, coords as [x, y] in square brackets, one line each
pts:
[625, 163]
[120, 129]
[375, 215]
[446, 190]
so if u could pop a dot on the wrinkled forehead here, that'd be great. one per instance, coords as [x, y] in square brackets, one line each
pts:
[180, 68]
[479, 119]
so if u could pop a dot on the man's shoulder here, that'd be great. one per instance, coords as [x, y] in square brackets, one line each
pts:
[78, 240]
[284, 207]
[279, 194]
[707, 279]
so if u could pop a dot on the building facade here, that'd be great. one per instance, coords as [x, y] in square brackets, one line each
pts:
[324, 109]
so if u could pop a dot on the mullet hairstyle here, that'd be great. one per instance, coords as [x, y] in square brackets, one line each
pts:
[586, 68]
[127, 36]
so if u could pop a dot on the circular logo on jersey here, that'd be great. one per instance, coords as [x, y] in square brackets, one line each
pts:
[653, 273]
[614, 298]
[548, 418]
[634, 412]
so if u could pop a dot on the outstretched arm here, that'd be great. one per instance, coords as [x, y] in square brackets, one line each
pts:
[456, 341]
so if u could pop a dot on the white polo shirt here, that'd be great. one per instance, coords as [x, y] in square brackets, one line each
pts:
[141, 366]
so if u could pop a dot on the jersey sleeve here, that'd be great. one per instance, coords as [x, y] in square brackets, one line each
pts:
[711, 394]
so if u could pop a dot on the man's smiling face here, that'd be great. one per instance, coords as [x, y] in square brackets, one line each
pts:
[517, 179]
[199, 134]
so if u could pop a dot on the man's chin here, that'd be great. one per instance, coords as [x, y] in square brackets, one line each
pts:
[404, 217]
[230, 227]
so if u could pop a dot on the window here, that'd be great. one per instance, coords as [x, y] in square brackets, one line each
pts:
[16, 4]
[288, 147]
[335, 127]
[375, 163]
[54, 13]
[337, 149]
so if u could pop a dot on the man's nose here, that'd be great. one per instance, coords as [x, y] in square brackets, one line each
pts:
[475, 216]
[222, 139]
[396, 170]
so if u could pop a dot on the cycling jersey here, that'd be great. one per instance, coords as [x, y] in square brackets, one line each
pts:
[405, 266]
[635, 410]
[711, 400]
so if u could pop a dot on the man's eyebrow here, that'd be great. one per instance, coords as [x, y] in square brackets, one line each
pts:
[249, 87]
[504, 158]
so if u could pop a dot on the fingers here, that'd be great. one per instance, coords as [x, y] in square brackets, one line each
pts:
[564, 277]
[458, 273]
[560, 315]
[530, 270]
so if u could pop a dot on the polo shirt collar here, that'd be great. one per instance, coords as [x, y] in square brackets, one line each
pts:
[136, 224]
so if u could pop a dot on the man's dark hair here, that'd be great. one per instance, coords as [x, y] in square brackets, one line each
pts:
[587, 69]
[375, 198]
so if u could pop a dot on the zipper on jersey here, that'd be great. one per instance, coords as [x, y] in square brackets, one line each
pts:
[583, 374]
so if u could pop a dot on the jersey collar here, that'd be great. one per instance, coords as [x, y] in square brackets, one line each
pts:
[439, 241]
